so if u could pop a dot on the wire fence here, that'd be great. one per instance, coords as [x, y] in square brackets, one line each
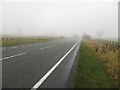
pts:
[104, 45]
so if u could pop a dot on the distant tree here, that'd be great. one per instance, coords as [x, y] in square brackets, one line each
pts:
[86, 37]
[100, 33]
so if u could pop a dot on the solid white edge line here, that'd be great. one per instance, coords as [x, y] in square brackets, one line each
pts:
[52, 69]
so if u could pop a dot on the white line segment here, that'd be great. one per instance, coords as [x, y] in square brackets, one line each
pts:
[29, 45]
[38, 84]
[47, 47]
[12, 56]
[13, 47]
[23, 46]
[2, 49]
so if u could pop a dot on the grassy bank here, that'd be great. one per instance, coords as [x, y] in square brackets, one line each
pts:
[91, 72]
[22, 41]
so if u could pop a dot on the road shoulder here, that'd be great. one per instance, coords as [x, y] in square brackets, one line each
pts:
[70, 80]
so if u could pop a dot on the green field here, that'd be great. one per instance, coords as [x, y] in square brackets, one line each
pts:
[91, 72]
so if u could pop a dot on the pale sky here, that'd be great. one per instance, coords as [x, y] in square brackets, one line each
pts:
[60, 17]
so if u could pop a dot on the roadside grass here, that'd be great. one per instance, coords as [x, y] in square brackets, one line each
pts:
[17, 42]
[91, 72]
[109, 58]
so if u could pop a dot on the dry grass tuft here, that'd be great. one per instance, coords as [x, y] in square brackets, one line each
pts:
[109, 57]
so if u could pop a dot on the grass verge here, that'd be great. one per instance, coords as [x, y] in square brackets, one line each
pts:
[91, 72]
[17, 42]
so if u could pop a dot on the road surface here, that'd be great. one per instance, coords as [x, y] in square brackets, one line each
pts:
[38, 65]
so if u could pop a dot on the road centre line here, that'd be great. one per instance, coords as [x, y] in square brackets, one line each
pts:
[14, 47]
[47, 47]
[2, 49]
[29, 45]
[38, 84]
[23, 46]
[12, 56]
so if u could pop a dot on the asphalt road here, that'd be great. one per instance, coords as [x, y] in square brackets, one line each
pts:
[38, 65]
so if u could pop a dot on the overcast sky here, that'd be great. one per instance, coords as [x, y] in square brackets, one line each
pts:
[60, 17]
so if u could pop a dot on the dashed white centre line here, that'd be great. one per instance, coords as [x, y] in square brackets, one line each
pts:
[47, 47]
[23, 46]
[29, 45]
[14, 47]
[2, 49]
[38, 84]
[42, 48]
[13, 56]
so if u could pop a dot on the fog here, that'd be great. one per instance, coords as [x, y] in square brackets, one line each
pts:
[63, 18]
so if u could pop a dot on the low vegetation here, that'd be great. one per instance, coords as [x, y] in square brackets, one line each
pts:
[108, 53]
[91, 70]
[16, 41]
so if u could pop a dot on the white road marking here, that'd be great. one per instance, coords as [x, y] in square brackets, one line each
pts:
[12, 56]
[38, 84]
[23, 46]
[14, 47]
[5, 58]
[29, 45]
[42, 48]
[47, 47]
[2, 49]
